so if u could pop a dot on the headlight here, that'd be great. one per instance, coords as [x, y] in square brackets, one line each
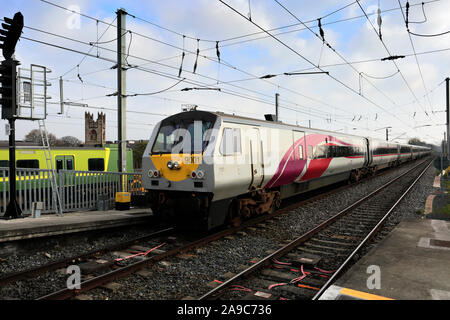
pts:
[176, 165]
[170, 165]
[150, 173]
[197, 174]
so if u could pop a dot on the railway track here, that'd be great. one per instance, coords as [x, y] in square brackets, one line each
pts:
[307, 266]
[84, 257]
[128, 266]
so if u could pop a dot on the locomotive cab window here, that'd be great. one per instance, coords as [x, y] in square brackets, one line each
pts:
[231, 142]
[185, 136]
[31, 164]
[96, 164]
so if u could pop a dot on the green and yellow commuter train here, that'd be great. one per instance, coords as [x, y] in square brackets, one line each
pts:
[82, 173]
[67, 158]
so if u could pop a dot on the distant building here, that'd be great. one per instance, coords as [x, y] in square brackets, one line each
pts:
[95, 131]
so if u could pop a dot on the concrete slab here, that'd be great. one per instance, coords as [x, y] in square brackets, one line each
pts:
[408, 269]
[71, 222]
[437, 181]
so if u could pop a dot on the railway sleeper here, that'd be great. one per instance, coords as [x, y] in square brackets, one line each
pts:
[340, 237]
[278, 276]
[355, 231]
[290, 291]
[339, 243]
[317, 252]
[368, 218]
[310, 244]
[296, 271]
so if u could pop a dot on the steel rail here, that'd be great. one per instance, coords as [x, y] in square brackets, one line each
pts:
[129, 269]
[368, 237]
[20, 275]
[303, 238]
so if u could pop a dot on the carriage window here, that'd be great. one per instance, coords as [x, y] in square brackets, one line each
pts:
[300, 152]
[320, 152]
[69, 164]
[231, 141]
[33, 164]
[59, 165]
[4, 163]
[96, 164]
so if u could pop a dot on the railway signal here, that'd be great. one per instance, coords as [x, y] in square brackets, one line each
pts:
[10, 34]
[8, 90]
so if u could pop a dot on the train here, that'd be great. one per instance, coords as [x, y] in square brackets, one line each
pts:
[208, 169]
[88, 158]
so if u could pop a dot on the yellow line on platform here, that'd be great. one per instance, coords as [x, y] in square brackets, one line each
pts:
[362, 295]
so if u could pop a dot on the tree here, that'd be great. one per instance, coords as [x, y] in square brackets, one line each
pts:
[138, 151]
[416, 142]
[69, 141]
[35, 137]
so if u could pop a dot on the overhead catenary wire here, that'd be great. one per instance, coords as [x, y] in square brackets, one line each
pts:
[150, 61]
[340, 56]
[417, 61]
[394, 62]
[334, 78]
[407, 22]
[112, 60]
[292, 91]
[229, 92]
[290, 31]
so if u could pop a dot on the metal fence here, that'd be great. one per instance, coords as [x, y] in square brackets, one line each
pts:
[78, 190]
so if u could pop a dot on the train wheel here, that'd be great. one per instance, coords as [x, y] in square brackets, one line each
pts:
[276, 203]
[233, 218]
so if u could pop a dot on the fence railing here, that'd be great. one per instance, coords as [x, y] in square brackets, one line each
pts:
[78, 190]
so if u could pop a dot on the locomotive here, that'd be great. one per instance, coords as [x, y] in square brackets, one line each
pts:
[207, 169]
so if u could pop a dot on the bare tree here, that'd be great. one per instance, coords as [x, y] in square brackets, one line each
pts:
[35, 137]
[69, 141]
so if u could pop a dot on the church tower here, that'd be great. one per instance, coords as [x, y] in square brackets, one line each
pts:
[95, 131]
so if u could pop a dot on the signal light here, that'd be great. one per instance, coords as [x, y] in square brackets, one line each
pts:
[10, 34]
[8, 90]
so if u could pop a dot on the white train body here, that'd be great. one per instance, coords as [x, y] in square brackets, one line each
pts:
[225, 166]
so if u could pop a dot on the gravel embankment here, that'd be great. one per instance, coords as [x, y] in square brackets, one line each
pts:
[26, 254]
[411, 207]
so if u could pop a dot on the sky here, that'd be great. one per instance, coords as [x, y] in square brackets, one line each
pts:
[362, 98]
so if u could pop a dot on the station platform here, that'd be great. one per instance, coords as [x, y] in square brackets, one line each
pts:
[413, 261]
[70, 222]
